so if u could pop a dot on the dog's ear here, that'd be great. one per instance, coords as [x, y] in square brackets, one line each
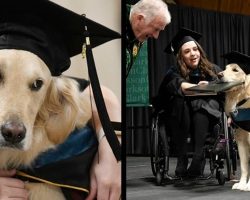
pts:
[64, 108]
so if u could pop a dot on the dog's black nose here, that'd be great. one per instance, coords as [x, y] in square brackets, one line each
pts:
[220, 75]
[13, 132]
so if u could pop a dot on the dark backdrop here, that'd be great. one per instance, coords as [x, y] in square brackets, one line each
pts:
[222, 32]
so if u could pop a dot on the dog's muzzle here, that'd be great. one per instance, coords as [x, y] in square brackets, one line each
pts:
[13, 133]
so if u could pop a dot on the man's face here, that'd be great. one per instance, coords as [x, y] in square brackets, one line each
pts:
[143, 31]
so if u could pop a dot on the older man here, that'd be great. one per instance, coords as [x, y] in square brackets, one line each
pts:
[145, 19]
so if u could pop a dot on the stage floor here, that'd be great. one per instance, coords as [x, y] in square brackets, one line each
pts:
[141, 184]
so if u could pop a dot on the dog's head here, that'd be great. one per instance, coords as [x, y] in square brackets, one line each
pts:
[232, 72]
[30, 99]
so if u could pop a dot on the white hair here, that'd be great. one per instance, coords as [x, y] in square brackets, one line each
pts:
[150, 9]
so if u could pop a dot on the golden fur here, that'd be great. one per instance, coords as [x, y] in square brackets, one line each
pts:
[48, 114]
[234, 73]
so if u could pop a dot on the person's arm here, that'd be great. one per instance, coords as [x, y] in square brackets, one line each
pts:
[105, 171]
[186, 85]
[11, 188]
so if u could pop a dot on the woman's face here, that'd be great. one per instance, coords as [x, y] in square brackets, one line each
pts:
[190, 54]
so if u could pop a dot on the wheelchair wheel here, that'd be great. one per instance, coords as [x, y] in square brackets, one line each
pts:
[228, 162]
[233, 151]
[157, 155]
[227, 150]
[159, 178]
[220, 177]
[153, 140]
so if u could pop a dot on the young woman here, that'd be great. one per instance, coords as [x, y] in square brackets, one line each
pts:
[195, 115]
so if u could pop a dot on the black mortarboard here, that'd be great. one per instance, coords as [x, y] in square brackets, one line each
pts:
[48, 30]
[241, 59]
[184, 35]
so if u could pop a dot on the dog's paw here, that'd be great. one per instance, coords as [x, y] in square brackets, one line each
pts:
[235, 186]
[239, 186]
[248, 186]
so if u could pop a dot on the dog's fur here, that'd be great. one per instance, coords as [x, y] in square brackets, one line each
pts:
[233, 96]
[41, 108]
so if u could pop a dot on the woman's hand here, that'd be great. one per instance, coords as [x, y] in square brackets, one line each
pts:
[203, 83]
[105, 174]
[11, 188]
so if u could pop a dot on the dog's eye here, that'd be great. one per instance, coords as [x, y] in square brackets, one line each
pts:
[36, 85]
[235, 70]
[1, 77]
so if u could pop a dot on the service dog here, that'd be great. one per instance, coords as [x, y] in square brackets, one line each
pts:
[235, 95]
[37, 112]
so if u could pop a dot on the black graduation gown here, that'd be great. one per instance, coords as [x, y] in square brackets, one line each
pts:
[179, 108]
[170, 92]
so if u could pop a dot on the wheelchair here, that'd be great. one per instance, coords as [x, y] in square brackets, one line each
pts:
[160, 151]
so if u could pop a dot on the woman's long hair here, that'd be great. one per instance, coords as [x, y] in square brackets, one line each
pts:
[205, 65]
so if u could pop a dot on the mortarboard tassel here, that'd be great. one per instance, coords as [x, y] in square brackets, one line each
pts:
[102, 111]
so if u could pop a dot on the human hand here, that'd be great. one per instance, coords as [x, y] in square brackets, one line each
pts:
[203, 82]
[11, 188]
[105, 181]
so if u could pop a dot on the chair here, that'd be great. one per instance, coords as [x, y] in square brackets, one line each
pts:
[160, 149]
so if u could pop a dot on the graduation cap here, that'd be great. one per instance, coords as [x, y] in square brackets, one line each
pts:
[184, 35]
[48, 30]
[241, 59]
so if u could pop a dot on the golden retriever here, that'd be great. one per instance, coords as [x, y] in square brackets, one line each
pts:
[38, 111]
[233, 96]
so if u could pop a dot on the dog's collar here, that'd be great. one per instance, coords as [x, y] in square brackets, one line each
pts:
[61, 175]
[54, 166]
[240, 116]
[242, 102]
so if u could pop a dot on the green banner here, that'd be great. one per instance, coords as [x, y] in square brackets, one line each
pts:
[137, 90]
